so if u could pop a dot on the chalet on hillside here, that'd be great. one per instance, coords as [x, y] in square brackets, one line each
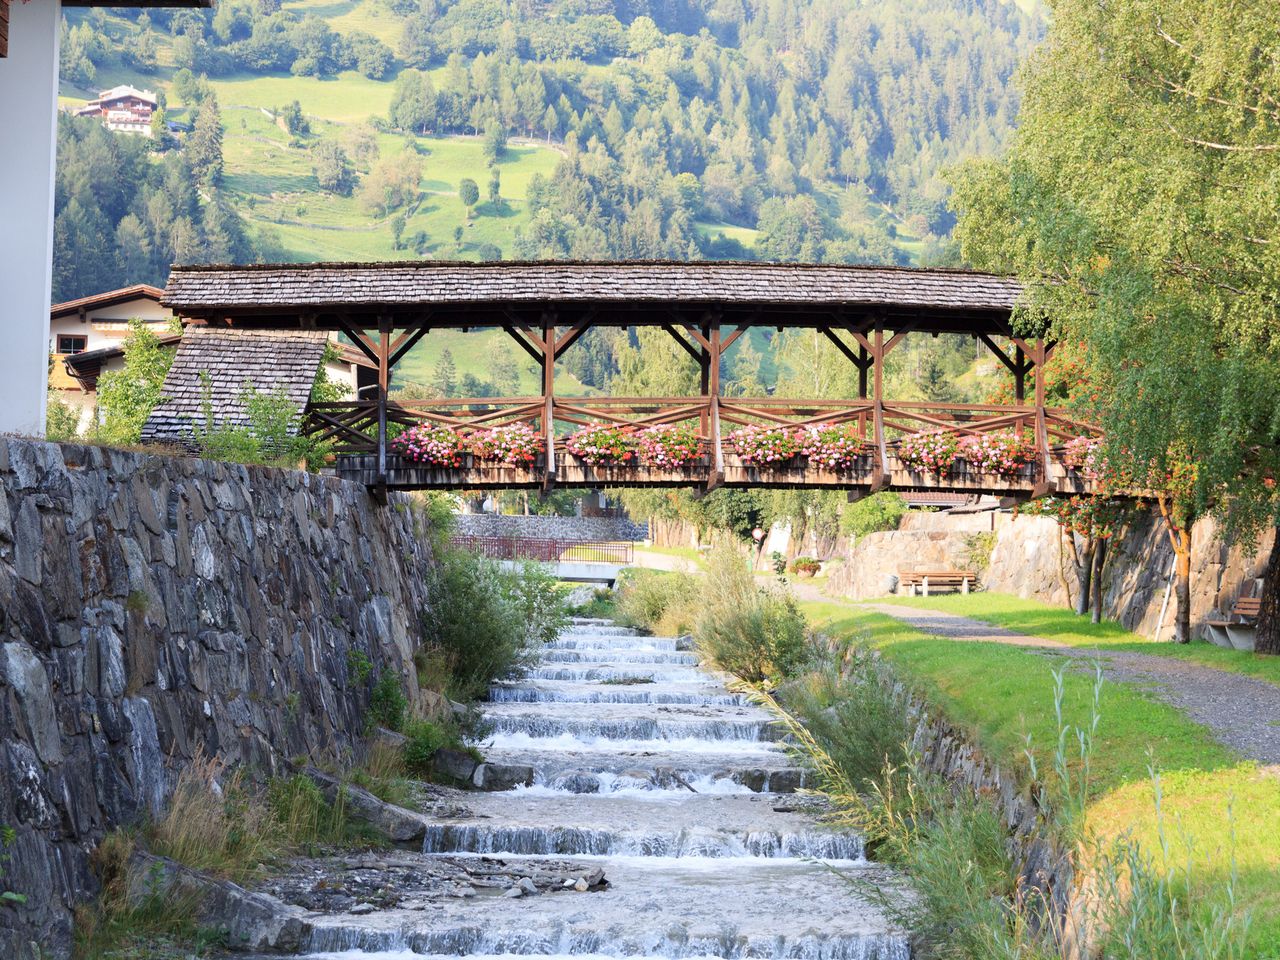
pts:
[87, 339]
[124, 109]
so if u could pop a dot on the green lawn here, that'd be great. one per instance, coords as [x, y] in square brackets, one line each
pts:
[1003, 695]
[348, 97]
[694, 557]
[1055, 623]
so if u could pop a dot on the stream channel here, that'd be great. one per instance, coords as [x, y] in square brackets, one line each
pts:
[646, 768]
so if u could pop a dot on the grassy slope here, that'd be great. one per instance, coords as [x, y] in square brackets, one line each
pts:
[1003, 695]
[1054, 623]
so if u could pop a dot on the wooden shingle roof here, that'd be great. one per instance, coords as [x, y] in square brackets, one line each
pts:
[211, 290]
[266, 360]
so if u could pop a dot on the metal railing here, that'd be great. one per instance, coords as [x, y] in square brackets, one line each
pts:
[621, 552]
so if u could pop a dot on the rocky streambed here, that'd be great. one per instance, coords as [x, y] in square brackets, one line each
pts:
[647, 812]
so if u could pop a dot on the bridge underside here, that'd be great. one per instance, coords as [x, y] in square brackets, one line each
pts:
[862, 312]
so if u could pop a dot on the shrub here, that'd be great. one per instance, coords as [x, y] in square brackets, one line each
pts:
[807, 566]
[387, 702]
[670, 446]
[270, 436]
[127, 396]
[756, 633]
[62, 422]
[483, 621]
[533, 588]
[423, 738]
[657, 601]
[603, 445]
[878, 512]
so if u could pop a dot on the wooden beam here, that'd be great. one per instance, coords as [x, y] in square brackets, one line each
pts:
[570, 336]
[384, 385]
[359, 338]
[698, 337]
[689, 348]
[731, 339]
[844, 348]
[548, 394]
[406, 342]
[524, 344]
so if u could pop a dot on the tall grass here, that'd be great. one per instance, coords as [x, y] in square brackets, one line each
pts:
[754, 632]
[966, 902]
[662, 603]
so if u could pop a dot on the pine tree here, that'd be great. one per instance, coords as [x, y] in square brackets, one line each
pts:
[204, 145]
[444, 376]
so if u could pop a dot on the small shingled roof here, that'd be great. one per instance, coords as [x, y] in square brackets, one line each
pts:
[195, 290]
[263, 359]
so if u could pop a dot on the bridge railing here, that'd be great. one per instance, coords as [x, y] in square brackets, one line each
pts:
[543, 550]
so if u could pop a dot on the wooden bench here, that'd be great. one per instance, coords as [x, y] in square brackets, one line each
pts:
[925, 580]
[1237, 629]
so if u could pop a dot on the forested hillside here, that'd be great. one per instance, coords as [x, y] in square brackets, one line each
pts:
[533, 128]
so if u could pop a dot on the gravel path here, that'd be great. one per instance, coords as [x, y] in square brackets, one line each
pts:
[1241, 712]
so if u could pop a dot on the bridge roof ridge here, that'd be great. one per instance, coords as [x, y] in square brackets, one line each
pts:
[256, 287]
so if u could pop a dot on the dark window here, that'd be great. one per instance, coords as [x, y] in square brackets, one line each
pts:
[68, 343]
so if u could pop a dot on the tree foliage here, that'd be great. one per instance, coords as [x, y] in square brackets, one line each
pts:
[1138, 202]
[127, 396]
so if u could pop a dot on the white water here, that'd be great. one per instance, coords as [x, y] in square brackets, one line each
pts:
[657, 784]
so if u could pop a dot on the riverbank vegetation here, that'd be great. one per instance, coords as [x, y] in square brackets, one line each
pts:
[1174, 828]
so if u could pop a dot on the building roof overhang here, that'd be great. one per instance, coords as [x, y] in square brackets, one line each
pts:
[109, 298]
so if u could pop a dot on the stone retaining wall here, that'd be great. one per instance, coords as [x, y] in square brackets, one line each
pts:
[548, 528]
[1028, 560]
[153, 608]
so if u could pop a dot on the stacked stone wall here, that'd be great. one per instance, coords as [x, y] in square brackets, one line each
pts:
[153, 609]
[1029, 558]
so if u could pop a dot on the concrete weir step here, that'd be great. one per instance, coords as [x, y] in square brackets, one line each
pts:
[622, 819]
[661, 908]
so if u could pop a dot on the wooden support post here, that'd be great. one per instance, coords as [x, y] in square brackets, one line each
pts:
[384, 387]
[864, 364]
[548, 394]
[713, 393]
[704, 377]
[1047, 484]
[881, 478]
[1019, 375]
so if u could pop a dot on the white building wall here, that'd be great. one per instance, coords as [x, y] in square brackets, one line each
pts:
[28, 105]
[108, 326]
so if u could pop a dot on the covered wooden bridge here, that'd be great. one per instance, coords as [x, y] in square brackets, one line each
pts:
[865, 312]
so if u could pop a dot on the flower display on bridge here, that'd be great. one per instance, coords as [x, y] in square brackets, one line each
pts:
[603, 445]
[516, 443]
[834, 447]
[1084, 454]
[933, 450]
[767, 446]
[1003, 453]
[670, 447]
[431, 445]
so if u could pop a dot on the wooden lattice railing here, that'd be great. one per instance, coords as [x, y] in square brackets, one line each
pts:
[352, 426]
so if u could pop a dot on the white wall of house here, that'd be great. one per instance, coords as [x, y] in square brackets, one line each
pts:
[108, 326]
[28, 106]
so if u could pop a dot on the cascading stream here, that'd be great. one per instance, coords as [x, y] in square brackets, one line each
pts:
[645, 767]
